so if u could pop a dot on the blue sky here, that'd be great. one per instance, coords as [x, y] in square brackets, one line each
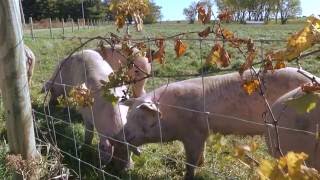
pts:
[172, 9]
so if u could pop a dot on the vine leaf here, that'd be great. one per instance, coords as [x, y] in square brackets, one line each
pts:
[304, 103]
[225, 33]
[120, 22]
[225, 15]
[280, 65]
[299, 42]
[114, 79]
[218, 56]
[250, 86]
[291, 166]
[180, 48]
[205, 32]
[78, 96]
[160, 54]
[249, 60]
[136, 9]
[241, 150]
[310, 87]
[202, 15]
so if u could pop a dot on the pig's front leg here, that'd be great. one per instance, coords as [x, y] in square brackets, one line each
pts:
[88, 134]
[194, 148]
[88, 123]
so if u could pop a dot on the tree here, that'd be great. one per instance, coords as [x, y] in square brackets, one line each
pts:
[191, 12]
[40, 9]
[289, 8]
[154, 13]
[260, 10]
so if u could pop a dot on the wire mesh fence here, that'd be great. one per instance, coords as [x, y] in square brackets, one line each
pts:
[60, 127]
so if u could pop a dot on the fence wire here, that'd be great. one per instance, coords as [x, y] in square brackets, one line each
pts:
[52, 121]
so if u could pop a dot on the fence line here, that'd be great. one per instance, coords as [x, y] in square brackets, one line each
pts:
[153, 76]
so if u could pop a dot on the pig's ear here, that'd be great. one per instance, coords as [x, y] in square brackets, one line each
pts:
[149, 106]
[129, 102]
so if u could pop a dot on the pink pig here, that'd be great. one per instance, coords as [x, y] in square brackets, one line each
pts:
[184, 113]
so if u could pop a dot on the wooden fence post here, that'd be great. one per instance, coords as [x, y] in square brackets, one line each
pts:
[14, 84]
[78, 23]
[72, 25]
[63, 27]
[31, 28]
[50, 27]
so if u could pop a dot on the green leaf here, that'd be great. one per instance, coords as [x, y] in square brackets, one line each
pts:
[305, 103]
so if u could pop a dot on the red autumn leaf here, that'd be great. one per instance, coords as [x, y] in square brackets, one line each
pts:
[268, 64]
[207, 17]
[225, 15]
[201, 13]
[249, 61]
[159, 42]
[180, 48]
[159, 56]
[205, 32]
[310, 87]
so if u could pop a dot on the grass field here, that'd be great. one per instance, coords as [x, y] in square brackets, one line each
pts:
[152, 164]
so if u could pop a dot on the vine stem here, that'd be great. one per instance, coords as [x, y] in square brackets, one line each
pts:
[274, 120]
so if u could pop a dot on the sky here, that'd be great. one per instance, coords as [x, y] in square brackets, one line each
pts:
[173, 9]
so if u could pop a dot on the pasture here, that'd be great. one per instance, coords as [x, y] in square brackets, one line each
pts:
[220, 162]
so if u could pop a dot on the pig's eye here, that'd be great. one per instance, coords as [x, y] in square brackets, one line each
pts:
[136, 71]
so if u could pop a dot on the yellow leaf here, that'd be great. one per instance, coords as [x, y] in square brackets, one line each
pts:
[294, 162]
[304, 103]
[265, 169]
[218, 56]
[250, 86]
[280, 65]
[268, 170]
[225, 33]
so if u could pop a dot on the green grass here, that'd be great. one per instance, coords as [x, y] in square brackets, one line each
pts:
[219, 162]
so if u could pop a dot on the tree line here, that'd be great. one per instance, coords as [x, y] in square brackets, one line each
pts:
[251, 10]
[261, 10]
[77, 9]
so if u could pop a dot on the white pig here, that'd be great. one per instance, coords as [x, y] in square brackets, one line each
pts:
[87, 68]
[186, 115]
[30, 62]
[297, 131]
[138, 72]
